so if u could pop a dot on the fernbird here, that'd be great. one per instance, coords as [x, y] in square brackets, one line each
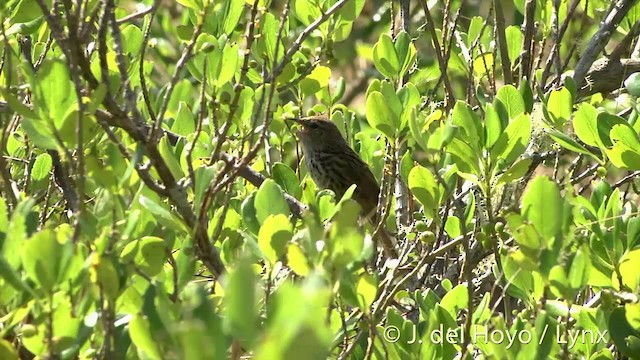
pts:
[334, 165]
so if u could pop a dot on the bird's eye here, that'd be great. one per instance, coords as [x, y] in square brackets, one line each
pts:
[313, 125]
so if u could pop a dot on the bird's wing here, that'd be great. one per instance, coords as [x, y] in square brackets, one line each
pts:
[356, 171]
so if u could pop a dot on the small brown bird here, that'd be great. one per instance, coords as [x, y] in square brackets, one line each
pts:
[334, 165]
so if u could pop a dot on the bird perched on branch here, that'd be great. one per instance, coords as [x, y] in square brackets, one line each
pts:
[334, 165]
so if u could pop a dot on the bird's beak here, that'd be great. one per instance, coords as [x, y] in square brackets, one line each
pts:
[303, 126]
[296, 120]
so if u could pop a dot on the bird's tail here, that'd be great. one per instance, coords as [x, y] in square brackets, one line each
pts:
[383, 238]
[380, 234]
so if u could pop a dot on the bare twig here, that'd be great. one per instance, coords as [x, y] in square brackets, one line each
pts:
[527, 42]
[449, 99]
[137, 15]
[502, 41]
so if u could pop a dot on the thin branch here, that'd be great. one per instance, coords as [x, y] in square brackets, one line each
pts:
[527, 42]
[449, 99]
[502, 41]
[137, 15]
[558, 36]
[629, 178]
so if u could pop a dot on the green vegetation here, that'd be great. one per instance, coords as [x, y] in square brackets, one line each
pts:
[154, 205]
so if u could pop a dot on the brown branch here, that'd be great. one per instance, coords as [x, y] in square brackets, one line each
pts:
[502, 41]
[137, 15]
[634, 175]
[607, 75]
[528, 43]
[449, 99]
[600, 40]
[557, 40]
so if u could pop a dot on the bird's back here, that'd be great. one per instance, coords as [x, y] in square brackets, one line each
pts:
[338, 168]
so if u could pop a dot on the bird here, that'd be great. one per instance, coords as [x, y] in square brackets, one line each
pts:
[334, 165]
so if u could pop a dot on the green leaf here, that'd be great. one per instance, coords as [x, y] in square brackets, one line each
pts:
[273, 236]
[41, 167]
[513, 141]
[606, 122]
[559, 106]
[493, 126]
[585, 124]
[165, 217]
[464, 156]
[297, 260]
[184, 124]
[632, 313]
[385, 57]
[620, 331]
[405, 51]
[380, 115]
[452, 227]
[367, 289]
[392, 99]
[4, 220]
[424, 186]
[171, 159]
[464, 117]
[53, 91]
[482, 65]
[11, 277]
[350, 11]
[249, 215]
[580, 268]
[626, 150]
[149, 254]
[346, 239]
[315, 81]
[229, 64]
[17, 105]
[7, 351]
[513, 34]
[560, 284]
[568, 143]
[24, 11]
[40, 134]
[543, 206]
[133, 37]
[270, 201]
[633, 232]
[204, 176]
[140, 333]
[510, 97]
[625, 135]
[527, 95]
[409, 96]
[43, 258]
[455, 299]
[241, 312]
[516, 171]
[527, 237]
[306, 11]
[233, 15]
[632, 84]
[287, 179]
[628, 270]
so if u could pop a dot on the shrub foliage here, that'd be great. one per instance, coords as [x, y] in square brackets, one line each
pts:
[154, 205]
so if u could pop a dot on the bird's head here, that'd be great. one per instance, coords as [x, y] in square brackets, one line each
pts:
[317, 131]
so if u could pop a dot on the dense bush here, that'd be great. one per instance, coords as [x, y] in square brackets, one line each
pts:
[154, 205]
